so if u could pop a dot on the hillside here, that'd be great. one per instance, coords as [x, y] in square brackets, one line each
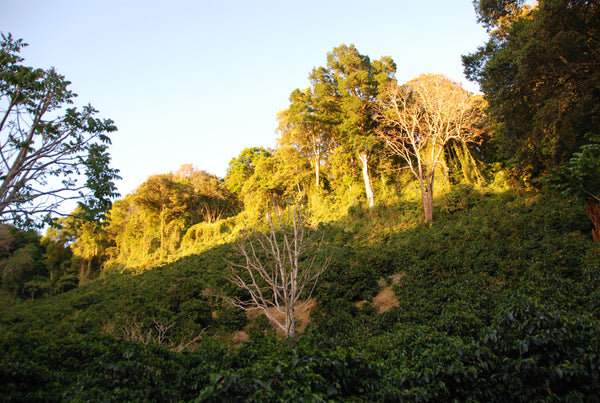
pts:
[495, 300]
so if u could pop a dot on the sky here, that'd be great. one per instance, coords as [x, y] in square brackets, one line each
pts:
[196, 82]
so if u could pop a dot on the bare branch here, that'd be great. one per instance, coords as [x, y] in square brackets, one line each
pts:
[278, 268]
[418, 119]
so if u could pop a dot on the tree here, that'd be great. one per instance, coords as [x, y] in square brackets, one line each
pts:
[419, 118]
[89, 249]
[495, 13]
[211, 200]
[276, 180]
[242, 167]
[356, 82]
[539, 73]
[58, 254]
[165, 200]
[280, 268]
[308, 125]
[48, 154]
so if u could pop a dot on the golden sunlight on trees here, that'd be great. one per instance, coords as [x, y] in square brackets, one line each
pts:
[280, 268]
[358, 81]
[418, 119]
[335, 115]
[308, 126]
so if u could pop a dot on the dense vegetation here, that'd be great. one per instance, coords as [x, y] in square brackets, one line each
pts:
[498, 298]
[485, 289]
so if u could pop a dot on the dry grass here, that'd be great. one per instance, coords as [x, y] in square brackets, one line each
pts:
[386, 298]
[302, 316]
[383, 301]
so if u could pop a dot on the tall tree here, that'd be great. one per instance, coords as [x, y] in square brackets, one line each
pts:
[539, 72]
[308, 126]
[357, 82]
[48, 154]
[418, 119]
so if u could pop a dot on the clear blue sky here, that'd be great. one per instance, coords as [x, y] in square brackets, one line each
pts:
[197, 81]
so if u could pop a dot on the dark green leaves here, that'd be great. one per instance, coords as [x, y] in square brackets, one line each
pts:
[539, 73]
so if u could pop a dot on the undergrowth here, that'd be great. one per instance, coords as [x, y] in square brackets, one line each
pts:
[497, 300]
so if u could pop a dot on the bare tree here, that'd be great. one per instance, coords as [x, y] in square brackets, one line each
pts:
[419, 118]
[280, 268]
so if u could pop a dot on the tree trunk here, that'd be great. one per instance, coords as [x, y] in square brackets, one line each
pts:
[162, 232]
[318, 171]
[428, 207]
[364, 159]
[592, 208]
[428, 197]
[291, 323]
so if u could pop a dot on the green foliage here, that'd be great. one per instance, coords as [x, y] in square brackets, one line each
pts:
[24, 269]
[167, 216]
[496, 301]
[538, 74]
[460, 198]
[544, 352]
[352, 276]
[242, 167]
[48, 148]
[581, 178]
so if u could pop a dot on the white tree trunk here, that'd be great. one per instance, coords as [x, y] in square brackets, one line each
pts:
[364, 159]
[318, 169]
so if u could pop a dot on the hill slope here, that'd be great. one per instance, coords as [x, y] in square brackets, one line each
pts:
[496, 300]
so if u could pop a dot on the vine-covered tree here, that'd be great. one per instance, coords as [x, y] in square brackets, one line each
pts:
[242, 167]
[211, 200]
[48, 154]
[418, 119]
[165, 202]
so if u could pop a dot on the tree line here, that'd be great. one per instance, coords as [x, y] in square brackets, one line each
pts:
[352, 138]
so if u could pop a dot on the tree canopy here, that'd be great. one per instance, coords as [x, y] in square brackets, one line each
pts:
[335, 115]
[419, 119]
[540, 74]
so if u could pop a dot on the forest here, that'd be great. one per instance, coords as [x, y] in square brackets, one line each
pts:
[402, 242]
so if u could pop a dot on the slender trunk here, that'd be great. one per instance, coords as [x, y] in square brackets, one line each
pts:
[318, 170]
[364, 159]
[291, 323]
[592, 208]
[162, 231]
[428, 197]
[88, 270]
